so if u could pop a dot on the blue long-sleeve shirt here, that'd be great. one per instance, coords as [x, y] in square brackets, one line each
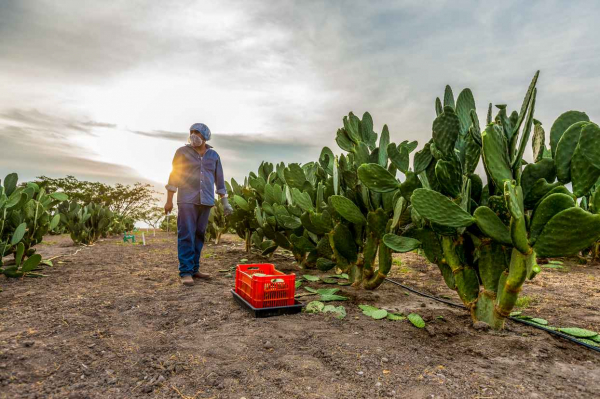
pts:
[194, 176]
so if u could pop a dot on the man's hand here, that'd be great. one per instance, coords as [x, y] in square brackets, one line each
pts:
[227, 209]
[168, 207]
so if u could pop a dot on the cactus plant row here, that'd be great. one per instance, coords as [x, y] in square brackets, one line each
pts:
[470, 202]
[485, 239]
[25, 217]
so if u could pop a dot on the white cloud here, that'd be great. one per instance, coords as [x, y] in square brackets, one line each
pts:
[282, 69]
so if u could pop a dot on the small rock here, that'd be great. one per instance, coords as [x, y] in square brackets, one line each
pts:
[360, 373]
[147, 389]
[338, 372]
[430, 330]
[268, 345]
[481, 326]
[378, 384]
[28, 343]
[384, 359]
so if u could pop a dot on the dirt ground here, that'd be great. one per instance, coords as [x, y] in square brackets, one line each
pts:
[113, 321]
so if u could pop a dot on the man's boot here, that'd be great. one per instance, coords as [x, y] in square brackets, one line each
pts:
[203, 276]
[187, 280]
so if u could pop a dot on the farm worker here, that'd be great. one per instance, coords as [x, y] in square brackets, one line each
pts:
[196, 170]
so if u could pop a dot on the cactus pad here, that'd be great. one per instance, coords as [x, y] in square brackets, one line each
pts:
[561, 124]
[377, 179]
[347, 209]
[495, 155]
[446, 129]
[583, 174]
[567, 233]
[490, 224]
[565, 149]
[400, 244]
[589, 144]
[546, 210]
[439, 209]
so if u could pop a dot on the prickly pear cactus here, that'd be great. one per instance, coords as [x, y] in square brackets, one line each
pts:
[485, 240]
[25, 217]
[86, 224]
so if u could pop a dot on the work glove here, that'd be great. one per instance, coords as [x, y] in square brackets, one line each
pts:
[227, 209]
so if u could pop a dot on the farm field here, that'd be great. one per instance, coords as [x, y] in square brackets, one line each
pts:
[113, 321]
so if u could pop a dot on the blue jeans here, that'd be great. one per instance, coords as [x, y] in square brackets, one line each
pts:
[191, 225]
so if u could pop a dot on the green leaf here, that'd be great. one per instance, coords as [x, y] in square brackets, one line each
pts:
[298, 284]
[396, 316]
[379, 314]
[368, 309]
[439, 209]
[330, 280]
[241, 202]
[348, 209]
[302, 199]
[327, 291]
[567, 233]
[400, 244]
[578, 332]
[341, 312]
[561, 124]
[54, 222]
[31, 263]
[446, 129]
[18, 234]
[311, 278]
[328, 298]
[314, 307]
[310, 289]
[495, 155]
[490, 224]
[325, 264]
[416, 320]
[513, 314]
[588, 143]
[59, 196]
[377, 178]
[537, 320]
[19, 254]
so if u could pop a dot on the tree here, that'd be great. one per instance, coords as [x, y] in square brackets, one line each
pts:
[153, 217]
[128, 201]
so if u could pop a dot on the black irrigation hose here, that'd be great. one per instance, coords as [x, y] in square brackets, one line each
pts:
[461, 306]
[535, 325]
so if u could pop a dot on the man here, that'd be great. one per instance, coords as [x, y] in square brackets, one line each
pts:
[196, 169]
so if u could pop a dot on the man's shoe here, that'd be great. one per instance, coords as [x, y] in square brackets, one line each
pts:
[203, 276]
[187, 280]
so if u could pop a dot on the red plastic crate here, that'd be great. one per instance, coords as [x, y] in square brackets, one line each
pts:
[272, 290]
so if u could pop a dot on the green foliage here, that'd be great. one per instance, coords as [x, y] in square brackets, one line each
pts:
[218, 224]
[350, 212]
[86, 224]
[27, 213]
[129, 201]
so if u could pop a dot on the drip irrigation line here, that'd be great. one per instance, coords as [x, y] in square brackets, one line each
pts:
[522, 321]
[461, 306]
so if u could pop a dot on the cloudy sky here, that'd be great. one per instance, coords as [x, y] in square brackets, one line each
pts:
[107, 90]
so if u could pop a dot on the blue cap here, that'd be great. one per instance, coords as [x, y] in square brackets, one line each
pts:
[203, 129]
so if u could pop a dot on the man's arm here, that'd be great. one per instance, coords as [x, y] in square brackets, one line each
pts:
[221, 189]
[220, 180]
[173, 182]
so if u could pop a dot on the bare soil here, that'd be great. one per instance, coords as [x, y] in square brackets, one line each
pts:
[113, 321]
